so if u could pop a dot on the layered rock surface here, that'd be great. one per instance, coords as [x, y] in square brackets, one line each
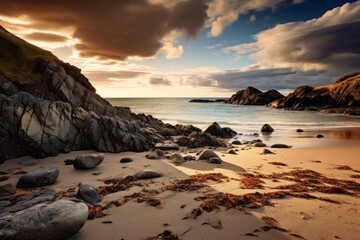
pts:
[63, 113]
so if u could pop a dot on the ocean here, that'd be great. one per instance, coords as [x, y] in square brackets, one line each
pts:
[243, 119]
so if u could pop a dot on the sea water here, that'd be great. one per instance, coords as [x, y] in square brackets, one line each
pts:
[241, 118]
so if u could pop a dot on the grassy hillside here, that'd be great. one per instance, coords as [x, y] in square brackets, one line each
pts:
[17, 58]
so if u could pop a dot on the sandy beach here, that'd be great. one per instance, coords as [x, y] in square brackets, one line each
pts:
[201, 209]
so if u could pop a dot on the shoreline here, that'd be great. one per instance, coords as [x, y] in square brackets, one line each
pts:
[139, 220]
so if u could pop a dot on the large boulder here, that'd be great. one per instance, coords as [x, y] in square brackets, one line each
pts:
[57, 220]
[88, 161]
[215, 130]
[38, 178]
[207, 154]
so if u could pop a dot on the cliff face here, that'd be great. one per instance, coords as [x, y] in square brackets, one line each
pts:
[344, 93]
[253, 96]
[63, 113]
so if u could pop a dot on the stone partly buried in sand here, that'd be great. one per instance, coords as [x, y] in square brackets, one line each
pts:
[88, 161]
[280, 145]
[207, 154]
[126, 160]
[266, 151]
[39, 216]
[215, 160]
[156, 154]
[177, 159]
[259, 144]
[88, 193]
[147, 174]
[7, 190]
[38, 178]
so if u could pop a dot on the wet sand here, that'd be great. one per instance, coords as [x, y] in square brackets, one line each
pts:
[307, 192]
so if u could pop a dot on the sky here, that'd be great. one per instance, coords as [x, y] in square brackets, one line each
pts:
[194, 48]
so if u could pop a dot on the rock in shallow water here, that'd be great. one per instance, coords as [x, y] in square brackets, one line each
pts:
[267, 128]
[55, 220]
[215, 130]
[38, 178]
[88, 161]
[88, 193]
[147, 174]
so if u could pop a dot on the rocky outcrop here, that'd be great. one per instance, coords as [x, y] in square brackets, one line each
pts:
[253, 96]
[196, 100]
[63, 113]
[342, 96]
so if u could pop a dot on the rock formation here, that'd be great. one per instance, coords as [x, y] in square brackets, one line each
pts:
[343, 97]
[54, 109]
[253, 96]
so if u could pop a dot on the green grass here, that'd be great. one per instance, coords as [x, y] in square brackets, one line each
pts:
[17, 58]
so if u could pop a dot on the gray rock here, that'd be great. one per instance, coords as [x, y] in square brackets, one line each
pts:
[231, 151]
[88, 193]
[245, 142]
[38, 178]
[7, 190]
[177, 159]
[280, 145]
[266, 151]
[267, 128]
[29, 200]
[147, 174]
[31, 162]
[126, 160]
[299, 130]
[215, 130]
[255, 134]
[215, 160]
[207, 154]
[69, 162]
[236, 142]
[88, 161]
[319, 136]
[56, 220]
[259, 144]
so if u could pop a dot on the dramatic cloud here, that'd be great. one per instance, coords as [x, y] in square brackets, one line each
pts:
[223, 13]
[115, 29]
[331, 42]
[160, 81]
[46, 37]
[275, 78]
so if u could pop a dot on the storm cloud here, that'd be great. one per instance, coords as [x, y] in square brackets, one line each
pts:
[330, 42]
[113, 29]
